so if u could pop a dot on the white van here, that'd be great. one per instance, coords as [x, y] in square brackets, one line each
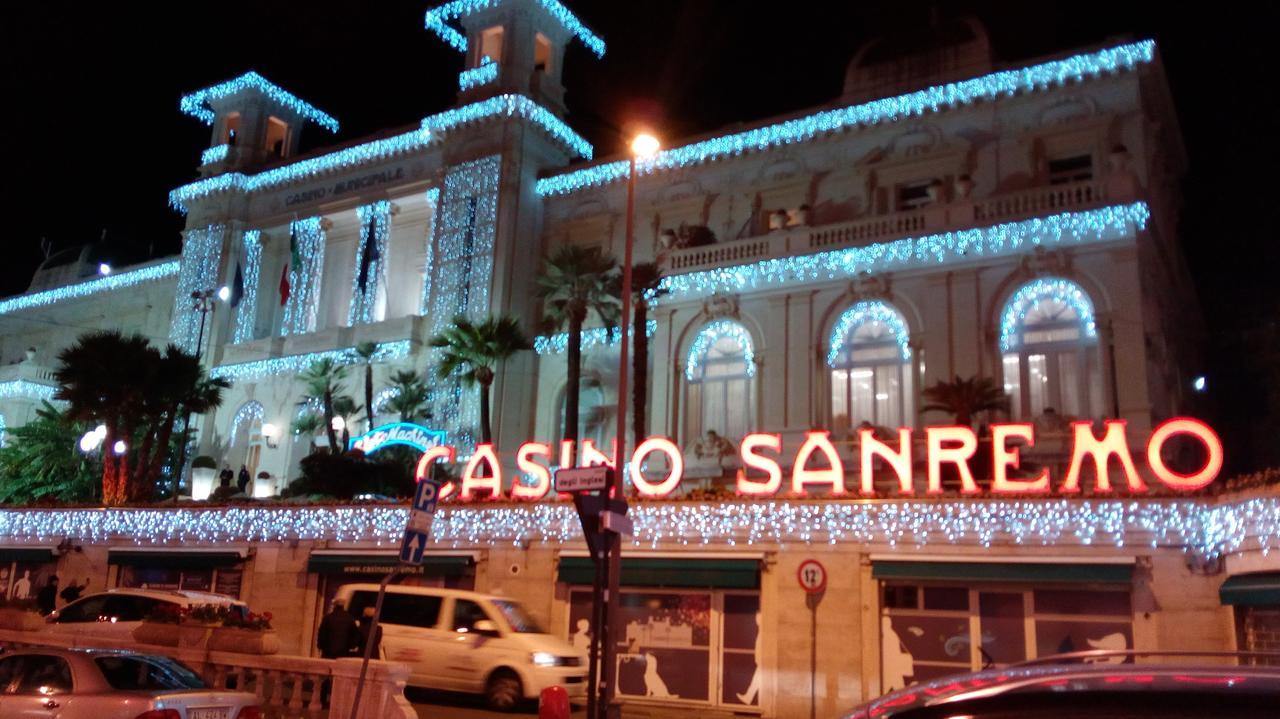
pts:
[469, 642]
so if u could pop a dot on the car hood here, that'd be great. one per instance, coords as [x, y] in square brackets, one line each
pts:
[545, 643]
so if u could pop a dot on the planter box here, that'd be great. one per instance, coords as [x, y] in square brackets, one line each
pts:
[194, 636]
[165, 635]
[244, 641]
[22, 620]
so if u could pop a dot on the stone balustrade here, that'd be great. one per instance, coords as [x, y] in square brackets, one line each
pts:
[288, 687]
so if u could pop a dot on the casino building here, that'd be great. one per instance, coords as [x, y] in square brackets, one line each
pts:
[944, 216]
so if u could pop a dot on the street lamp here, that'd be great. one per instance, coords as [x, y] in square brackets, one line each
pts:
[202, 301]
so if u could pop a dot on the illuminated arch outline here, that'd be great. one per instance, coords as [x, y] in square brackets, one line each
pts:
[1026, 297]
[250, 412]
[708, 336]
[858, 315]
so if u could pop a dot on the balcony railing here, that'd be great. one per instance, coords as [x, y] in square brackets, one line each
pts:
[959, 214]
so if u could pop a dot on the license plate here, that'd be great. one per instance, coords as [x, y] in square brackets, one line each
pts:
[209, 713]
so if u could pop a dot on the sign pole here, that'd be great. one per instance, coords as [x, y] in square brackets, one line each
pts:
[372, 639]
[812, 577]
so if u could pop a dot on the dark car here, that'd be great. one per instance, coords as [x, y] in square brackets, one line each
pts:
[1089, 684]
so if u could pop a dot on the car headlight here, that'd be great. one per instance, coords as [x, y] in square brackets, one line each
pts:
[544, 659]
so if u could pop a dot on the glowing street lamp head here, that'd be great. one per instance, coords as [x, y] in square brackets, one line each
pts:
[224, 293]
[338, 424]
[119, 446]
[644, 145]
[104, 268]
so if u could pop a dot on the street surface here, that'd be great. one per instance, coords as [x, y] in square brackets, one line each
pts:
[442, 705]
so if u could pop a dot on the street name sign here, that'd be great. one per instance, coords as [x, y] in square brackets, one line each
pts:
[582, 479]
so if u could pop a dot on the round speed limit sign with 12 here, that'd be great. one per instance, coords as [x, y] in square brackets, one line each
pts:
[812, 576]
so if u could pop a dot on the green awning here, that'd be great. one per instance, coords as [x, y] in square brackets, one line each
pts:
[670, 572]
[1034, 573]
[433, 565]
[1261, 589]
[26, 554]
[175, 559]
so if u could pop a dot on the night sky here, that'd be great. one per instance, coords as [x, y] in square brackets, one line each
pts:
[93, 138]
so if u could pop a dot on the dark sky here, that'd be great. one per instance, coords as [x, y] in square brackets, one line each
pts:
[93, 138]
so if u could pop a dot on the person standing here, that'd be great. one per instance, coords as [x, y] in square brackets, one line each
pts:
[338, 634]
[225, 476]
[47, 597]
[366, 623]
[242, 480]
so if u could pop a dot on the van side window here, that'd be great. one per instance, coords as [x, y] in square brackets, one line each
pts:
[465, 615]
[411, 610]
[89, 609]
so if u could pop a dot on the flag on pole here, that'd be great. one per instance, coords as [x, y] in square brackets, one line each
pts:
[295, 261]
[369, 256]
[284, 286]
[237, 287]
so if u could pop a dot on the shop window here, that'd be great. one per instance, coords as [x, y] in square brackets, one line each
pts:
[931, 631]
[22, 580]
[490, 45]
[912, 195]
[870, 361]
[1258, 630]
[542, 54]
[219, 581]
[720, 374]
[1075, 168]
[277, 136]
[230, 128]
[1050, 358]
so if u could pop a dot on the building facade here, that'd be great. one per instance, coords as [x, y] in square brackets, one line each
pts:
[944, 217]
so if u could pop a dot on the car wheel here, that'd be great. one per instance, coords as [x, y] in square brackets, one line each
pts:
[503, 692]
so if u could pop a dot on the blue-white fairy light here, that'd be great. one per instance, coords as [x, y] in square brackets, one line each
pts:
[293, 364]
[305, 276]
[1030, 295]
[428, 263]
[482, 74]
[1005, 83]
[249, 413]
[861, 313]
[115, 281]
[247, 312]
[438, 19]
[217, 153]
[197, 104]
[707, 338]
[593, 337]
[25, 389]
[509, 105]
[201, 255]
[364, 301]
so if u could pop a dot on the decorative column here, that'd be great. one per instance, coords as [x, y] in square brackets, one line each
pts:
[371, 260]
[201, 255]
[433, 201]
[306, 265]
[247, 311]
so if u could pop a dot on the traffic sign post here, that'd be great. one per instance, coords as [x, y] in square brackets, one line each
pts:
[812, 577]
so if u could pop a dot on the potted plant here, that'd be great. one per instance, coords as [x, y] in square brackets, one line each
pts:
[246, 633]
[264, 486]
[20, 614]
[160, 626]
[203, 469]
[198, 623]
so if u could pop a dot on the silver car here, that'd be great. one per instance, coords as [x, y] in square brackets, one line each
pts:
[108, 684]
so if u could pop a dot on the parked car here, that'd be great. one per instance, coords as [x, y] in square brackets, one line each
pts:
[468, 642]
[109, 684]
[1101, 684]
[114, 614]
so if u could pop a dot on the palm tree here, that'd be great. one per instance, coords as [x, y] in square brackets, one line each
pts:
[474, 350]
[307, 424]
[963, 398]
[646, 280]
[576, 281]
[179, 388]
[410, 397]
[40, 462]
[323, 379]
[366, 351]
[346, 408]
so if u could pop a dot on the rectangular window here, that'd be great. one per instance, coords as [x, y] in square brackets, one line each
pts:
[541, 53]
[913, 195]
[230, 128]
[1038, 383]
[490, 45]
[1075, 168]
[277, 136]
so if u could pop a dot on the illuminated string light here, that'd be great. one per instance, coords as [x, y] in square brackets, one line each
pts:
[114, 281]
[1031, 295]
[364, 302]
[438, 19]
[707, 338]
[247, 312]
[25, 389]
[201, 255]
[197, 104]
[382, 397]
[1006, 83]
[304, 280]
[509, 105]
[482, 74]
[860, 314]
[217, 153]
[293, 364]
[1203, 528]
[310, 168]
[1068, 228]
[594, 337]
[433, 205]
[311, 405]
[250, 412]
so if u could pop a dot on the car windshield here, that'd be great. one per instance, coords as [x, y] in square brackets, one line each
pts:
[147, 673]
[517, 617]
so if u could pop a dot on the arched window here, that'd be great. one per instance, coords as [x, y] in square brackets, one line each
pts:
[720, 371]
[870, 361]
[245, 437]
[1048, 339]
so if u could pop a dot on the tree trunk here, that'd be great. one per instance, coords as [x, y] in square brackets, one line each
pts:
[639, 371]
[368, 395]
[486, 432]
[162, 445]
[111, 494]
[128, 488]
[328, 423]
[574, 383]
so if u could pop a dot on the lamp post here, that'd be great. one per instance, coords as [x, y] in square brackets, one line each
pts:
[643, 146]
[202, 302]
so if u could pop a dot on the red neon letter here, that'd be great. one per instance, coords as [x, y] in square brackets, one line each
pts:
[746, 452]
[566, 453]
[817, 440]
[592, 457]
[470, 482]
[1084, 443]
[441, 452]
[540, 473]
[964, 443]
[666, 486]
[1197, 429]
[1003, 457]
[900, 461]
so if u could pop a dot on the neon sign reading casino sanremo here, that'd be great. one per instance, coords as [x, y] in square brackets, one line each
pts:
[947, 445]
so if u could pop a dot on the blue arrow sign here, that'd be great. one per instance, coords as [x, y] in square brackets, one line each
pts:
[417, 532]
